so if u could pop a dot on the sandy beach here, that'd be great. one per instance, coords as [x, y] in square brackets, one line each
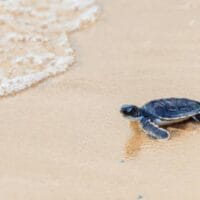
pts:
[64, 139]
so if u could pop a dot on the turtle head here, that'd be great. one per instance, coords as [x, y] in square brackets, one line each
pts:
[131, 112]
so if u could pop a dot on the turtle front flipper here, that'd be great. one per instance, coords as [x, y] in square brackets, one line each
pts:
[153, 130]
[196, 117]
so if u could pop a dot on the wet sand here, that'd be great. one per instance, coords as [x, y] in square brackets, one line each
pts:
[65, 138]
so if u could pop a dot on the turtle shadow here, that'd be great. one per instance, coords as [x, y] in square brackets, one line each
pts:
[135, 141]
[182, 129]
[139, 139]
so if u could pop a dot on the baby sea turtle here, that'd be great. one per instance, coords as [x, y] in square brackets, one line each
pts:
[162, 112]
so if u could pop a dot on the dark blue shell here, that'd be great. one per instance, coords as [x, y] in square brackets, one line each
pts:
[172, 108]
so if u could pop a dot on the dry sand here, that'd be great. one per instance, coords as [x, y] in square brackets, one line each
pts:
[65, 138]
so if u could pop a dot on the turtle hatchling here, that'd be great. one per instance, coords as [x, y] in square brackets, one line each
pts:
[157, 113]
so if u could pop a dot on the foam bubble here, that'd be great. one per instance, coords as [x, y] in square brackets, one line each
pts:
[34, 41]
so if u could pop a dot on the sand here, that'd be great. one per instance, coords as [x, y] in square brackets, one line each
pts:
[65, 138]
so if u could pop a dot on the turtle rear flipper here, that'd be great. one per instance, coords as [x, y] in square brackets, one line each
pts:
[153, 130]
[197, 117]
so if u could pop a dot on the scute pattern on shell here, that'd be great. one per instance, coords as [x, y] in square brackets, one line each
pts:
[172, 108]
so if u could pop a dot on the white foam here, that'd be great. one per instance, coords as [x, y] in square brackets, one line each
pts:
[77, 4]
[87, 17]
[38, 47]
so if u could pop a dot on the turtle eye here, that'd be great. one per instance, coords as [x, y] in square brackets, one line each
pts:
[130, 109]
[135, 112]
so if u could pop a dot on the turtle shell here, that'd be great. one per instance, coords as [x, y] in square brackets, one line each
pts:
[172, 108]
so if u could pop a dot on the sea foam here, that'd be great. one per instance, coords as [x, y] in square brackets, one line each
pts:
[34, 41]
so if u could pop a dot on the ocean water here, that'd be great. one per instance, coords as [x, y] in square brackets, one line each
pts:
[34, 39]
